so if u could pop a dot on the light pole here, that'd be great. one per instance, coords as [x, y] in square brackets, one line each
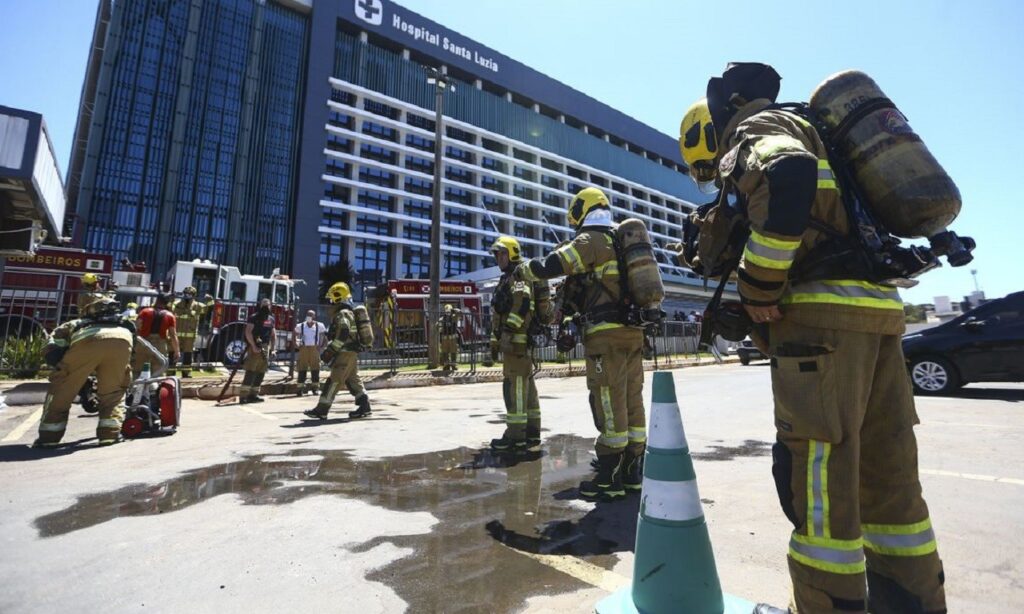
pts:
[440, 82]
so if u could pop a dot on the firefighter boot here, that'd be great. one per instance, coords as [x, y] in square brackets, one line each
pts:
[505, 444]
[532, 435]
[607, 484]
[363, 407]
[319, 413]
[633, 471]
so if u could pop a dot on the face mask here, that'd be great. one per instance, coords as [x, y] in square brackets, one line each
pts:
[309, 319]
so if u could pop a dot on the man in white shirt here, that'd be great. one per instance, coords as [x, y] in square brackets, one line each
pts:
[310, 338]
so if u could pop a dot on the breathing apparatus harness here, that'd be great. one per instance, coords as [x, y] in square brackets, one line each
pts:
[868, 251]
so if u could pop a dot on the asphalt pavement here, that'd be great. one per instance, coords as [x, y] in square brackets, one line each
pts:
[254, 508]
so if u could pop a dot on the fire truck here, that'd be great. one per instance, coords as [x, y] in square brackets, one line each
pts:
[399, 308]
[39, 292]
[235, 296]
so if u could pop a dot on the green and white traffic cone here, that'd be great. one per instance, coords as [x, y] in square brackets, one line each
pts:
[674, 569]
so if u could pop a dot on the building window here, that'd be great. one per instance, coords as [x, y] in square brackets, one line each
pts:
[336, 142]
[332, 249]
[417, 208]
[379, 131]
[460, 135]
[422, 165]
[495, 165]
[458, 195]
[456, 264]
[337, 193]
[418, 142]
[341, 120]
[419, 121]
[376, 176]
[419, 186]
[461, 175]
[371, 259]
[372, 199]
[379, 108]
[374, 225]
[379, 154]
[333, 218]
[346, 98]
[457, 153]
[490, 183]
[415, 262]
[338, 168]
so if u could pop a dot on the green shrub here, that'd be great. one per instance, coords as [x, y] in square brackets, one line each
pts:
[23, 356]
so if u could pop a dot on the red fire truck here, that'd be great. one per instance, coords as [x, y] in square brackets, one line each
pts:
[37, 293]
[399, 308]
[235, 296]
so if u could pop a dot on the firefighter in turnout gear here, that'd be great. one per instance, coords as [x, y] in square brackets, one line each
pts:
[448, 327]
[511, 313]
[188, 312]
[100, 342]
[341, 356]
[259, 340]
[158, 326]
[613, 350]
[845, 463]
[90, 291]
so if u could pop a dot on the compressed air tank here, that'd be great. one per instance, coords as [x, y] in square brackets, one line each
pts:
[364, 329]
[544, 308]
[902, 183]
[642, 275]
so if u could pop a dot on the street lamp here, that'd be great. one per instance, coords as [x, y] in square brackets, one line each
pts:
[441, 83]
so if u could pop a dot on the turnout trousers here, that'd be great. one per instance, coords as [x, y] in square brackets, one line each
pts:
[522, 405]
[255, 365]
[845, 466]
[615, 379]
[108, 359]
[343, 371]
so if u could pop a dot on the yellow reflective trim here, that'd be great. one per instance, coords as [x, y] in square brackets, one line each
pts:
[514, 319]
[609, 413]
[603, 326]
[773, 243]
[768, 146]
[926, 548]
[831, 543]
[571, 257]
[839, 568]
[809, 519]
[521, 338]
[898, 529]
[829, 184]
[520, 397]
[109, 423]
[873, 303]
[824, 488]
[823, 164]
[766, 263]
[52, 427]
[609, 268]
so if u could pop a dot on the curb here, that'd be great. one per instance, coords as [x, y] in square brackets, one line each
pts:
[211, 390]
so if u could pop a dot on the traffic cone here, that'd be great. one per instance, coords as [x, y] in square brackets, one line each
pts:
[674, 569]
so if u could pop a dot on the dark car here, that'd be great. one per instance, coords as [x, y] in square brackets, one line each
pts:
[747, 351]
[983, 345]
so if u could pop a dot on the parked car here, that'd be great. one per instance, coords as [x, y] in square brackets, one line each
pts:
[747, 351]
[983, 345]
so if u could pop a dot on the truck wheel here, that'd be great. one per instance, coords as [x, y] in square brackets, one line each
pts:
[744, 358]
[229, 345]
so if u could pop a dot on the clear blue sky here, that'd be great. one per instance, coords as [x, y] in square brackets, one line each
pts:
[953, 67]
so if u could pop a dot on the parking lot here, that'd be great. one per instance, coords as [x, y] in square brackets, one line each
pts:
[254, 508]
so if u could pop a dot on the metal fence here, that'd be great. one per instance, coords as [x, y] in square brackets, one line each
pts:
[28, 315]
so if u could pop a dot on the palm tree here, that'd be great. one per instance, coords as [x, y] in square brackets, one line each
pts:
[330, 274]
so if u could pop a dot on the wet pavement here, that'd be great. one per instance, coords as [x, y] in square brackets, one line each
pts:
[487, 505]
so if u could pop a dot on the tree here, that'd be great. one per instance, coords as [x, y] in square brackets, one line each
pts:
[330, 274]
[914, 314]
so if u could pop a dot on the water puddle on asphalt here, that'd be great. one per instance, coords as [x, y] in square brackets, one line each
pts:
[488, 506]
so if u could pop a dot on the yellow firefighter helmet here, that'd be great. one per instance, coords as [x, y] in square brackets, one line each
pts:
[90, 279]
[509, 245]
[339, 292]
[698, 142]
[585, 201]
